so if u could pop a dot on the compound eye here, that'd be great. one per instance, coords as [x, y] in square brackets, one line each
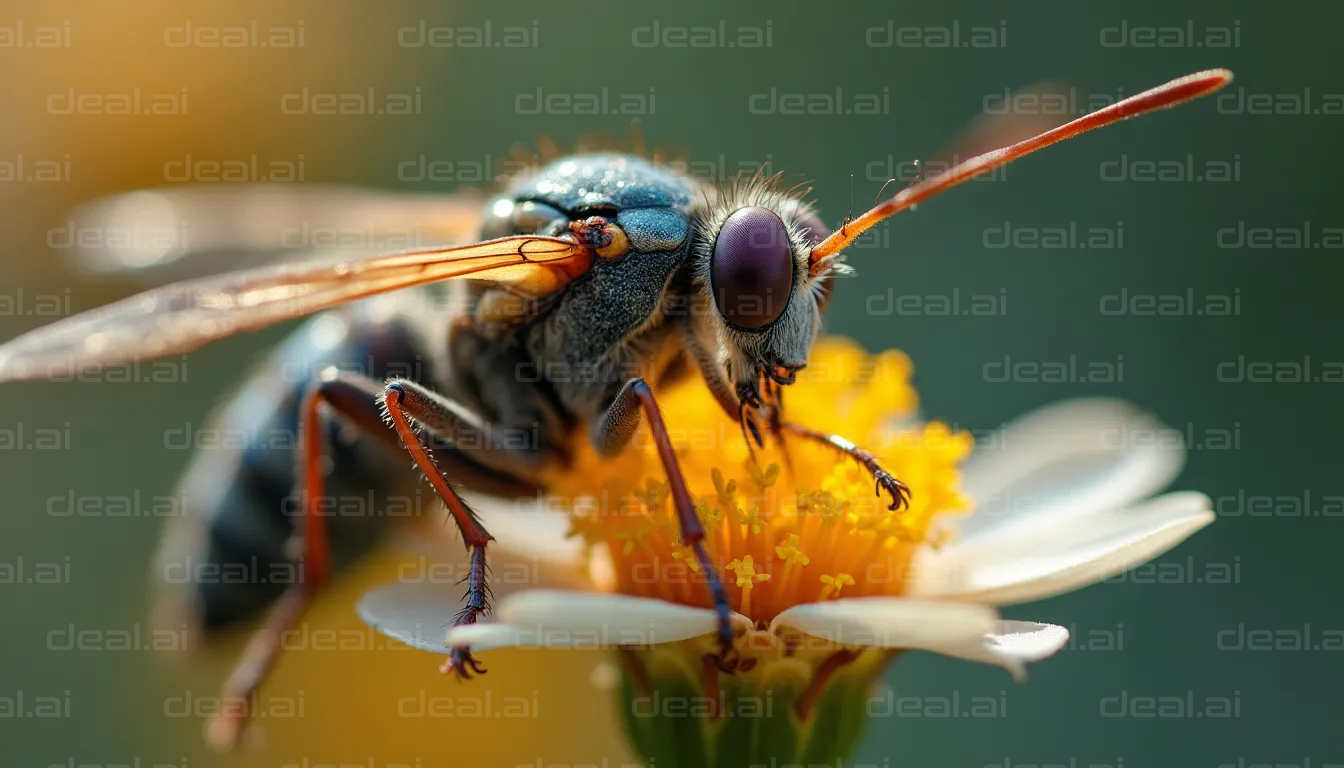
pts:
[751, 272]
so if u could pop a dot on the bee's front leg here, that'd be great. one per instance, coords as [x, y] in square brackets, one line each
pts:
[900, 492]
[612, 432]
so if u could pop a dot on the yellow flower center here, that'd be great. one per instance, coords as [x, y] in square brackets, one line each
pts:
[792, 525]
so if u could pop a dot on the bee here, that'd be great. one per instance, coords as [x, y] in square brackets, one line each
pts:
[622, 274]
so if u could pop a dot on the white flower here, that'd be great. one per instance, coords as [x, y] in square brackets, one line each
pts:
[1061, 499]
[830, 583]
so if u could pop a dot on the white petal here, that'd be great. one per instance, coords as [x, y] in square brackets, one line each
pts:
[415, 614]
[1067, 459]
[1013, 644]
[891, 622]
[1044, 562]
[554, 618]
[420, 615]
[1025, 641]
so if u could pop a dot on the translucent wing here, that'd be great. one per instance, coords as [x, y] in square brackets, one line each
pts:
[178, 318]
[173, 233]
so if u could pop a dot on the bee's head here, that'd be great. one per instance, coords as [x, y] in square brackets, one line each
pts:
[763, 305]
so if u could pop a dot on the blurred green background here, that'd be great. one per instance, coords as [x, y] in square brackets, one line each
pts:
[1287, 165]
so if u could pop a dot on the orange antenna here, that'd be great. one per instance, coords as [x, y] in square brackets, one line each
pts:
[1167, 95]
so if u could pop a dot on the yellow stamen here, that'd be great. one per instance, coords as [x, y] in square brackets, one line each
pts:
[753, 519]
[828, 521]
[747, 577]
[762, 479]
[834, 584]
[790, 553]
[710, 516]
[726, 490]
[687, 555]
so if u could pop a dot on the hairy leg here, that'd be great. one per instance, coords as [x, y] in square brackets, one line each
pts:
[404, 401]
[612, 432]
[368, 405]
[899, 491]
[349, 398]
